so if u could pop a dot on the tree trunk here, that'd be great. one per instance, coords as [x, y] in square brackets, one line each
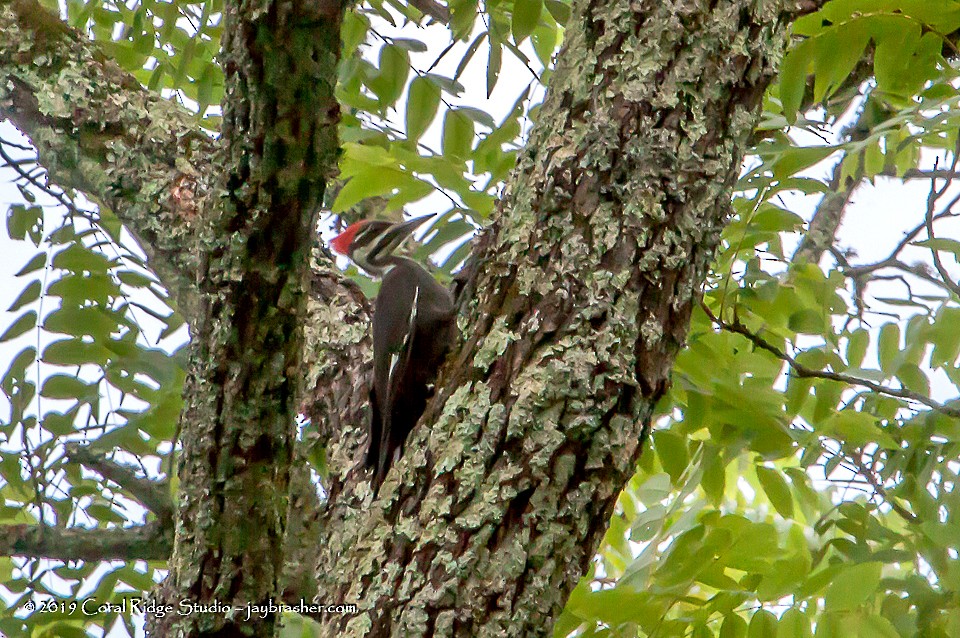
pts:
[577, 301]
[243, 386]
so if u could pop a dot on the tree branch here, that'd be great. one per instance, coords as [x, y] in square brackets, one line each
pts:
[803, 371]
[152, 541]
[152, 494]
[97, 130]
[826, 218]
[934, 195]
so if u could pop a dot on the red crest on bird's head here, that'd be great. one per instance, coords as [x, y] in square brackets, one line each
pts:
[341, 243]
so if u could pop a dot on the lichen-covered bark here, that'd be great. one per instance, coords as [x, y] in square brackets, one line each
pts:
[582, 292]
[97, 130]
[280, 145]
[336, 365]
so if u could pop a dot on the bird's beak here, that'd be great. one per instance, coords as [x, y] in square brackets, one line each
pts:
[396, 234]
[406, 228]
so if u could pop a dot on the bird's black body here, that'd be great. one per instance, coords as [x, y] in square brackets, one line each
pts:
[414, 327]
[407, 355]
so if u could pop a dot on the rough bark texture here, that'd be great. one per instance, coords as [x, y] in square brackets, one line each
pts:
[97, 130]
[241, 394]
[147, 542]
[576, 305]
[73, 103]
[337, 353]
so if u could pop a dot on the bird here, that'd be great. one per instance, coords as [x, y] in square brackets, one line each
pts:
[414, 327]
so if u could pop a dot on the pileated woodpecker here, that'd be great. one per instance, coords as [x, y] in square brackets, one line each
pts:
[414, 326]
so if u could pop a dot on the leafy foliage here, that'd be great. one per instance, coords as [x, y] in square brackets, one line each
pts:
[800, 480]
[85, 371]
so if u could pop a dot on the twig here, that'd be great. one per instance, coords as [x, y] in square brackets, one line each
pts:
[152, 494]
[805, 372]
[868, 474]
[928, 218]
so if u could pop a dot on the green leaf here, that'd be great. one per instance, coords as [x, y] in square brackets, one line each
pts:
[945, 338]
[173, 323]
[468, 55]
[526, 16]
[853, 586]
[913, 378]
[61, 386]
[794, 624]
[648, 523]
[134, 279]
[877, 626]
[857, 429]
[493, 65]
[458, 134]
[940, 244]
[410, 44]
[559, 10]
[714, 478]
[24, 323]
[807, 320]
[776, 219]
[25, 220]
[77, 288]
[654, 489]
[18, 366]
[36, 262]
[793, 79]
[370, 183]
[209, 87]
[27, 296]
[733, 627]
[672, 452]
[544, 39]
[945, 535]
[61, 423]
[353, 32]
[888, 346]
[452, 87]
[104, 513]
[857, 344]
[777, 490]
[79, 259]
[480, 117]
[836, 52]
[394, 68]
[463, 15]
[791, 160]
[93, 321]
[763, 624]
[74, 352]
[422, 104]
[897, 40]
[798, 391]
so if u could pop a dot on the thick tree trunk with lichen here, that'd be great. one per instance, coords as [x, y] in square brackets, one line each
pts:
[228, 230]
[577, 302]
[242, 390]
[572, 310]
